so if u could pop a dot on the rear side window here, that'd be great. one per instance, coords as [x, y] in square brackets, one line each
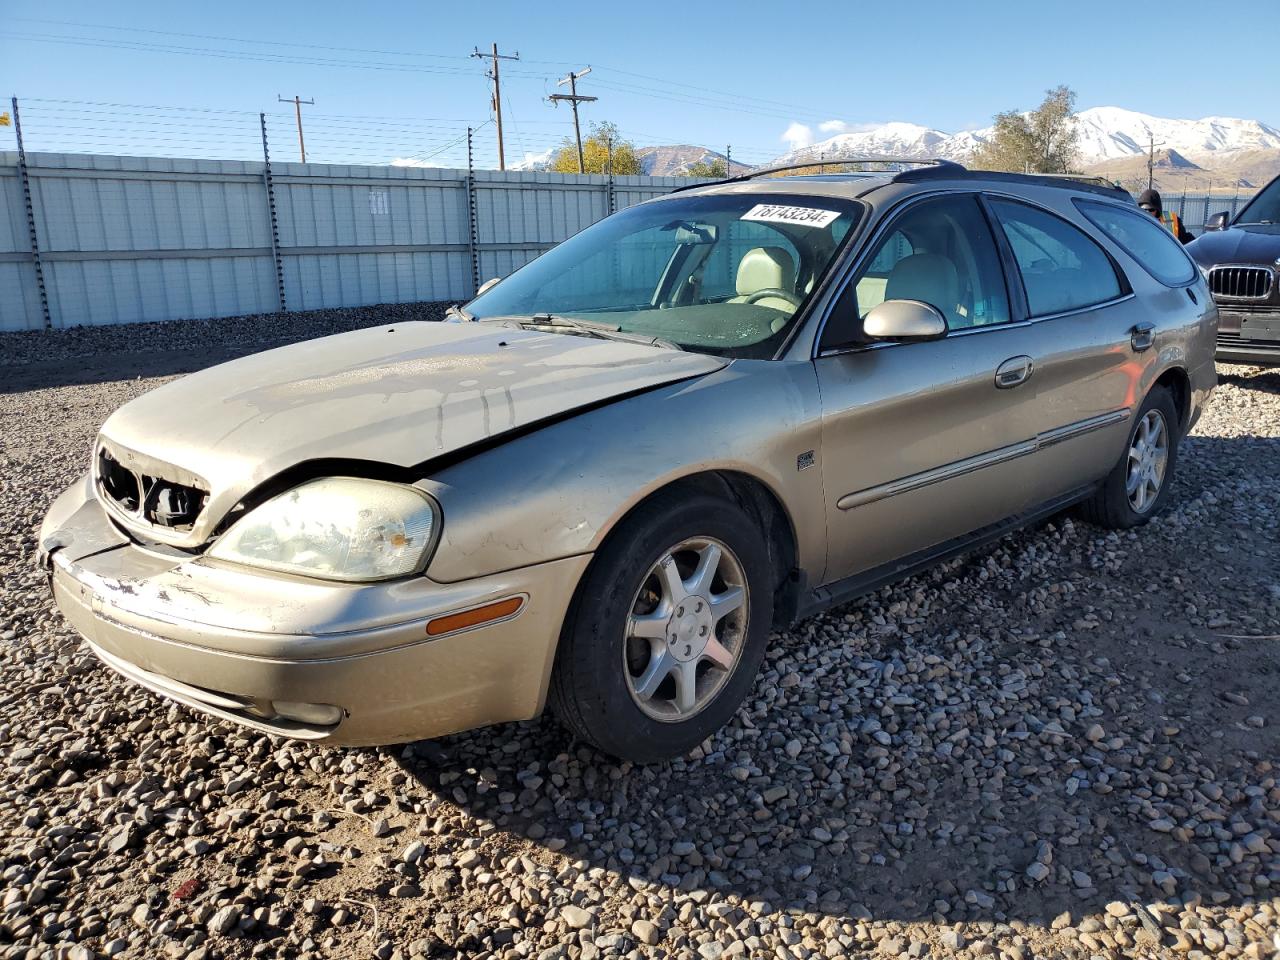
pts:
[1140, 236]
[1062, 267]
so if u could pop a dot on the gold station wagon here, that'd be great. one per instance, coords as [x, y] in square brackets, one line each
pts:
[616, 471]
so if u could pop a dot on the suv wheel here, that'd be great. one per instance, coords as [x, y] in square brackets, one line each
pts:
[668, 629]
[1138, 486]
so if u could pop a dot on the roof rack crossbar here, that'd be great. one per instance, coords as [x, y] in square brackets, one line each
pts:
[949, 166]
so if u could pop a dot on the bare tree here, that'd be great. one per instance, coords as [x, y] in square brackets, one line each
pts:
[1041, 141]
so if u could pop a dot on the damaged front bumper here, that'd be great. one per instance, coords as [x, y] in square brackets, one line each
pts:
[347, 664]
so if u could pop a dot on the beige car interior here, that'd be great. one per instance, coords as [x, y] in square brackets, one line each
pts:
[767, 268]
[929, 277]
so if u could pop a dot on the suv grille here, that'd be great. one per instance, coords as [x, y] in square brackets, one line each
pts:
[1248, 283]
[152, 499]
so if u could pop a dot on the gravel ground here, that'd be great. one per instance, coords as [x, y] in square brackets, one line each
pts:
[1063, 746]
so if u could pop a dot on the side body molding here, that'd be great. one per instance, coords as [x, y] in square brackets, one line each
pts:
[1001, 455]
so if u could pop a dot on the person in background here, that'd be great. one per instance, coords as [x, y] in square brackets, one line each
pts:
[1149, 201]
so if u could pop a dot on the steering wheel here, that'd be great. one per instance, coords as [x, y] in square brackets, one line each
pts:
[778, 292]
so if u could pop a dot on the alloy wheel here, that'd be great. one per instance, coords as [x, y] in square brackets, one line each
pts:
[1148, 458]
[686, 629]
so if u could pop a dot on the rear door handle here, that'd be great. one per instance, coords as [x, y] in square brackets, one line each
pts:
[1014, 371]
[1142, 335]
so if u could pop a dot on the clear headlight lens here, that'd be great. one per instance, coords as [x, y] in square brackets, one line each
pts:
[338, 528]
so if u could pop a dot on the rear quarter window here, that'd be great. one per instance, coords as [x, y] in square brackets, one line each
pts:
[1140, 236]
[1062, 267]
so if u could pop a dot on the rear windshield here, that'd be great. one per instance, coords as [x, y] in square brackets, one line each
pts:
[723, 274]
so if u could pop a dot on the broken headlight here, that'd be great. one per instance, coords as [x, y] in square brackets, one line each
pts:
[338, 528]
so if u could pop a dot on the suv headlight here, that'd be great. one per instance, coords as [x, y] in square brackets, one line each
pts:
[338, 528]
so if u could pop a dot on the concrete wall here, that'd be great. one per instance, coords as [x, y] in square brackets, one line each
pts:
[126, 239]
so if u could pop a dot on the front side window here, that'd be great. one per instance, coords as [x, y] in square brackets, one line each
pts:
[940, 252]
[724, 274]
[1144, 239]
[1062, 268]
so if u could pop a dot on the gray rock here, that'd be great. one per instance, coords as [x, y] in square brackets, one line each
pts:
[224, 920]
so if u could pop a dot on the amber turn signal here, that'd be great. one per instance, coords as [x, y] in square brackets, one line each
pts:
[498, 610]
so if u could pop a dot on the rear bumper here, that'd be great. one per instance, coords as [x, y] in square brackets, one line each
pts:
[363, 650]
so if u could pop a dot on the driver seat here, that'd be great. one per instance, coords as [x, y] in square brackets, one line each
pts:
[766, 268]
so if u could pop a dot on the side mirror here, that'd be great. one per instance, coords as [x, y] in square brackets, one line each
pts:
[1218, 221]
[904, 320]
[487, 285]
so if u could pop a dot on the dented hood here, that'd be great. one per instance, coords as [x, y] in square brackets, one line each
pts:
[399, 395]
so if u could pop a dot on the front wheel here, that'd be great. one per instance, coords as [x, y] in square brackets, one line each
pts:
[668, 629]
[1138, 486]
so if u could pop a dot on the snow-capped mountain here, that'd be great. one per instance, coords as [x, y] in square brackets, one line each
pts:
[534, 161]
[674, 160]
[1105, 133]
[895, 139]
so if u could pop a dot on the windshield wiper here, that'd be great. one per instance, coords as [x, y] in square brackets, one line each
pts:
[593, 328]
[457, 310]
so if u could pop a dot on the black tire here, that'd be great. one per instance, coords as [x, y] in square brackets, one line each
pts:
[1110, 506]
[589, 692]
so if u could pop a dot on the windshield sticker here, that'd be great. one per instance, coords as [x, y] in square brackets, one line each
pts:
[798, 216]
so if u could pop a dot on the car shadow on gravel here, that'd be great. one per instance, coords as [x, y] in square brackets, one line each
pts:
[43, 359]
[1256, 378]
[110, 367]
[1035, 729]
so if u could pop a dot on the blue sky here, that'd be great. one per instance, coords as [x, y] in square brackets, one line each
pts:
[393, 80]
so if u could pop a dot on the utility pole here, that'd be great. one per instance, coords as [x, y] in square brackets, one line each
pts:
[574, 98]
[1151, 158]
[297, 112]
[728, 160]
[492, 74]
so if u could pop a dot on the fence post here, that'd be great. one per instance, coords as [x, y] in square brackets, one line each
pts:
[610, 200]
[271, 210]
[31, 219]
[473, 239]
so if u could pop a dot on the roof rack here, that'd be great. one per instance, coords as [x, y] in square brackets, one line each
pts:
[1069, 181]
[950, 167]
[938, 169]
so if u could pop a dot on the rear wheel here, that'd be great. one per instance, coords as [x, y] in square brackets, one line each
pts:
[1138, 486]
[668, 629]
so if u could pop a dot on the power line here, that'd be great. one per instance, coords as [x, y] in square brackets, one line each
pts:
[255, 41]
[733, 96]
[574, 98]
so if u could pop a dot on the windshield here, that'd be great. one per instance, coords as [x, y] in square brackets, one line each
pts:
[722, 274]
[1265, 207]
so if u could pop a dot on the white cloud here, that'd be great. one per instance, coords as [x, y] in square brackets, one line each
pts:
[797, 135]
[833, 126]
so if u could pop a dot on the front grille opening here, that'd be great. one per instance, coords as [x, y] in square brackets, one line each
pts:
[156, 500]
[1246, 283]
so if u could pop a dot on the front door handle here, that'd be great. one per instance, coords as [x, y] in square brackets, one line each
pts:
[1014, 371]
[1142, 335]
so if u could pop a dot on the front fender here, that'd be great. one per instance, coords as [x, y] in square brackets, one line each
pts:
[558, 491]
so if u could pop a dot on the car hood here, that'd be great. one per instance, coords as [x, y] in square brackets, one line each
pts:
[1250, 243]
[399, 395]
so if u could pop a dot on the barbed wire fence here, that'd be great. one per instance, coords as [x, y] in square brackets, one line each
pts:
[140, 212]
[62, 125]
